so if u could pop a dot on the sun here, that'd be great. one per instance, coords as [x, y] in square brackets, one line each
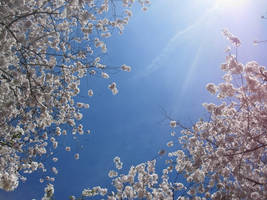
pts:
[230, 3]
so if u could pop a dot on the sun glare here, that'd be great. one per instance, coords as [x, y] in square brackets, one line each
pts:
[230, 3]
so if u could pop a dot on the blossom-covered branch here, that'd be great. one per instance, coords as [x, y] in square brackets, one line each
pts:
[224, 157]
[46, 48]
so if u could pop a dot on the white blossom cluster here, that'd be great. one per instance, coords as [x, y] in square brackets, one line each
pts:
[117, 162]
[229, 152]
[46, 47]
[224, 157]
[233, 39]
[141, 182]
[94, 191]
[49, 192]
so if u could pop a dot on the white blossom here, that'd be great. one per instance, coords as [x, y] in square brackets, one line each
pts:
[173, 124]
[104, 75]
[211, 88]
[67, 148]
[90, 92]
[126, 68]
[77, 156]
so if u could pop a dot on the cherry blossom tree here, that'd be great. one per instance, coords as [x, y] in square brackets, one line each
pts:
[223, 157]
[46, 48]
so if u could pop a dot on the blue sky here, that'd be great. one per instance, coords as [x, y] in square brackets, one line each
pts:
[175, 48]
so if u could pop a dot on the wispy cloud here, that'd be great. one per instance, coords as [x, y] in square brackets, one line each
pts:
[174, 41]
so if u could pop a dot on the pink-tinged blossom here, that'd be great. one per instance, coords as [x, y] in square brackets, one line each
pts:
[212, 88]
[233, 39]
